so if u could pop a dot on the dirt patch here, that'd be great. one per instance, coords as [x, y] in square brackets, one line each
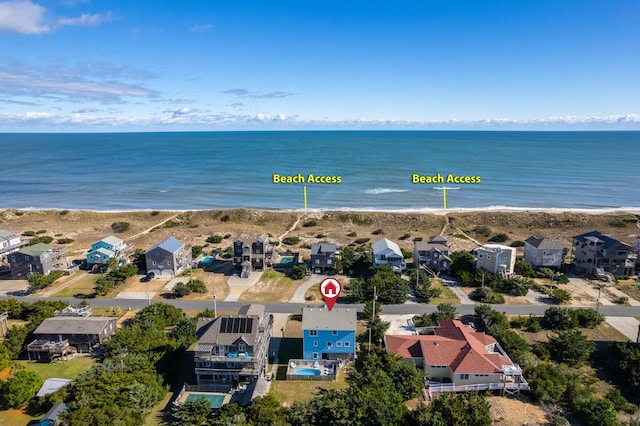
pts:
[514, 411]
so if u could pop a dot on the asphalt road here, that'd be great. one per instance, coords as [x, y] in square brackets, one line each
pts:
[408, 308]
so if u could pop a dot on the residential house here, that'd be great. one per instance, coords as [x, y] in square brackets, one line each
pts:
[107, 248]
[496, 258]
[459, 355]
[9, 243]
[168, 257]
[53, 417]
[232, 349]
[329, 334]
[386, 252]
[81, 332]
[598, 254]
[251, 253]
[39, 258]
[544, 252]
[323, 258]
[434, 255]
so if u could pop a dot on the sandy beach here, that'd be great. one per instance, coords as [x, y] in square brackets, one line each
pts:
[465, 229]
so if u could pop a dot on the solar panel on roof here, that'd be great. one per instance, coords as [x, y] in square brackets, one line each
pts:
[236, 325]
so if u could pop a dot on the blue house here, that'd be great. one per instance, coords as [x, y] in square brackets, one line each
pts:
[105, 249]
[329, 334]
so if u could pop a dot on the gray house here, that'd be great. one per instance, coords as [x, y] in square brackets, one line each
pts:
[81, 332]
[433, 254]
[251, 253]
[596, 254]
[232, 349]
[323, 258]
[168, 257]
[39, 258]
[9, 243]
[544, 252]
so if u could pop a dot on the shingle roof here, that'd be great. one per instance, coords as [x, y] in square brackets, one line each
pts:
[322, 248]
[454, 345]
[544, 243]
[386, 244]
[114, 241]
[6, 235]
[227, 329]
[73, 325]
[606, 240]
[35, 250]
[320, 318]
[171, 245]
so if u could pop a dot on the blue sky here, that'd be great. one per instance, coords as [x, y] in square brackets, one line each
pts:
[75, 65]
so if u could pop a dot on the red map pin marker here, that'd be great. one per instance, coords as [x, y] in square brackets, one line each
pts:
[330, 289]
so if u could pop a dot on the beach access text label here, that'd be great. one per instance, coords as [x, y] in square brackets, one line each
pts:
[450, 178]
[310, 178]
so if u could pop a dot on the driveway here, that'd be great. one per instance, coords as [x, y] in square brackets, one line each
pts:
[625, 325]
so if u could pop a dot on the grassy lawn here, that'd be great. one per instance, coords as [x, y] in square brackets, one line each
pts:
[108, 312]
[446, 294]
[83, 286]
[62, 369]
[603, 333]
[288, 391]
[13, 417]
[157, 416]
[273, 286]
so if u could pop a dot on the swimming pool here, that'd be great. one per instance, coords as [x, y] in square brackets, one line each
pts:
[207, 260]
[286, 259]
[214, 399]
[307, 372]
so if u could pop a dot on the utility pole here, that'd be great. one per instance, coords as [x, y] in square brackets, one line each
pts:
[215, 310]
[598, 303]
[373, 316]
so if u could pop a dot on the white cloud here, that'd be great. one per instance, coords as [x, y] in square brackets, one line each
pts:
[23, 16]
[193, 119]
[201, 28]
[85, 20]
[78, 88]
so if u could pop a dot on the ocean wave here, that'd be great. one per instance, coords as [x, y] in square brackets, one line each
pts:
[376, 191]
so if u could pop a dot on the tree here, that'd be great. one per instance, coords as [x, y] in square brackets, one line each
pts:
[460, 409]
[546, 381]
[21, 387]
[389, 287]
[524, 268]
[266, 411]
[559, 319]
[571, 347]
[462, 261]
[560, 296]
[421, 285]
[444, 312]
[193, 412]
[297, 272]
[5, 357]
[181, 289]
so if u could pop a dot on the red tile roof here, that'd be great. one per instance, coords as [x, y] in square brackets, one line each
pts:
[454, 345]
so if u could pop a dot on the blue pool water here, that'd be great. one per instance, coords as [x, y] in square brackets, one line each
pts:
[286, 260]
[207, 260]
[307, 372]
[214, 399]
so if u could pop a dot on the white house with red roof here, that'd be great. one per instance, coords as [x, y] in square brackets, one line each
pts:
[459, 355]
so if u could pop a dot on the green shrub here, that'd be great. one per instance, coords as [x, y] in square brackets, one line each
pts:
[461, 236]
[45, 239]
[29, 234]
[64, 212]
[621, 300]
[517, 243]
[169, 224]
[41, 231]
[19, 213]
[181, 289]
[321, 236]
[377, 232]
[225, 218]
[65, 240]
[215, 239]
[417, 239]
[197, 286]
[487, 295]
[309, 224]
[291, 241]
[560, 296]
[405, 236]
[119, 227]
[155, 213]
[297, 272]
[499, 238]
[196, 251]
[352, 234]
[362, 240]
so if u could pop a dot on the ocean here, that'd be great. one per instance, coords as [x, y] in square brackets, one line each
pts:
[219, 170]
